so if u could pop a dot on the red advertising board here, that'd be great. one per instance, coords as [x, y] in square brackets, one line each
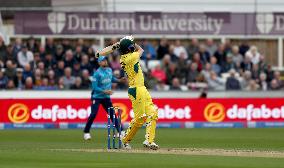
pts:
[170, 110]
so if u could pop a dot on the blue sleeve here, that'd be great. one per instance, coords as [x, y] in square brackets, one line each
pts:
[152, 51]
[95, 83]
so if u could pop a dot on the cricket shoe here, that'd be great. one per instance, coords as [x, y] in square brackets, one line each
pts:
[126, 146]
[152, 145]
[87, 136]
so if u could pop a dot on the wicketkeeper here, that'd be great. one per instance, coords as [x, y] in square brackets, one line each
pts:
[101, 90]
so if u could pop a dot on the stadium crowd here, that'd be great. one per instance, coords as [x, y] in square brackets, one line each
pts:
[170, 65]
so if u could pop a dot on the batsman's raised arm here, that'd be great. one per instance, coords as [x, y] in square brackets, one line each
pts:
[108, 49]
[139, 49]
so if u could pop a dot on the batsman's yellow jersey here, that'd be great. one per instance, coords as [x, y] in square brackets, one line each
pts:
[130, 63]
[143, 107]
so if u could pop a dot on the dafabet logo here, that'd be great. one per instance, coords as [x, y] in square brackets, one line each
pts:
[214, 112]
[18, 113]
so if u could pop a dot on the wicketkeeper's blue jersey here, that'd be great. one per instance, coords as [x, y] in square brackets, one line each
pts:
[102, 80]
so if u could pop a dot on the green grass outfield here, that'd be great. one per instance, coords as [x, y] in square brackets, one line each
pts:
[44, 148]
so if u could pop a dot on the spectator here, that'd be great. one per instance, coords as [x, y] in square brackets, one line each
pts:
[174, 57]
[232, 82]
[229, 64]
[192, 48]
[214, 66]
[180, 50]
[149, 50]
[59, 53]
[237, 57]
[171, 72]
[193, 73]
[163, 49]
[85, 64]
[252, 86]
[51, 78]
[10, 85]
[37, 77]
[32, 45]
[228, 46]
[244, 47]
[246, 65]
[78, 53]
[37, 59]
[182, 67]
[166, 62]
[3, 80]
[9, 54]
[175, 85]
[255, 72]
[159, 74]
[50, 46]
[246, 79]
[86, 83]
[214, 82]
[45, 84]
[10, 71]
[29, 83]
[77, 85]
[270, 73]
[262, 64]
[3, 52]
[27, 72]
[277, 77]
[262, 82]
[196, 59]
[68, 79]
[61, 85]
[69, 59]
[206, 71]
[211, 47]
[42, 52]
[25, 56]
[220, 54]
[274, 85]
[17, 47]
[150, 81]
[19, 79]
[59, 71]
[76, 69]
[41, 66]
[49, 61]
[204, 54]
[253, 54]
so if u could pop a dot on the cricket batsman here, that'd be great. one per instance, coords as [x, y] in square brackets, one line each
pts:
[101, 91]
[143, 107]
